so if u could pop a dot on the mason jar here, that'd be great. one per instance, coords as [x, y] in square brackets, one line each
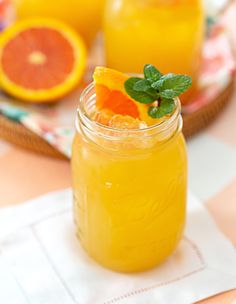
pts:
[129, 189]
[85, 16]
[168, 34]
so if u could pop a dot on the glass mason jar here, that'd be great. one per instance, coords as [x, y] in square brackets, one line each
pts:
[129, 189]
[166, 33]
[84, 15]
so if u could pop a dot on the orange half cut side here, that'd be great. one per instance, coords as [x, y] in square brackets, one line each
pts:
[41, 60]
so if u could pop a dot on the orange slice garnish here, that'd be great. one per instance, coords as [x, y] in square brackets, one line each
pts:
[111, 95]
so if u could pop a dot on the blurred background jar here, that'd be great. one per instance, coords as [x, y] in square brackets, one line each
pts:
[166, 33]
[84, 15]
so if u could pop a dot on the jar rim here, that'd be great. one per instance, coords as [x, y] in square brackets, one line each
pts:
[89, 92]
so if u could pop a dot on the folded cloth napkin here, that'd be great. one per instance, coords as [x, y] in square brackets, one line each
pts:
[42, 262]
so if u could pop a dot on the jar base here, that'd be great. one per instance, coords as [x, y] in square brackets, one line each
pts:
[131, 268]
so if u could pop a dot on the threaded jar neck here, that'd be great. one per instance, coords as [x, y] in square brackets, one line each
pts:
[102, 135]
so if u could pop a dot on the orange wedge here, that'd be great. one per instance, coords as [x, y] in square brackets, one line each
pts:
[41, 60]
[111, 95]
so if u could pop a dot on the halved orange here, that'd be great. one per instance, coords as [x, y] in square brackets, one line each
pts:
[111, 95]
[41, 60]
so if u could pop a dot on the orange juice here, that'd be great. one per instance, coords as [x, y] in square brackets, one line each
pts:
[129, 190]
[84, 15]
[166, 33]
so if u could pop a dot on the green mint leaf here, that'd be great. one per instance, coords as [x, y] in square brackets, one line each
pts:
[155, 112]
[169, 93]
[166, 107]
[157, 85]
[145, 86]
[171, 85]
[151, 73]
[142, 85]
[139, 96]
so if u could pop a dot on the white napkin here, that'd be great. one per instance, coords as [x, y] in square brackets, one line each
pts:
[42, 262]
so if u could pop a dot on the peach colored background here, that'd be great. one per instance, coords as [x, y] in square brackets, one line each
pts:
[24, 175]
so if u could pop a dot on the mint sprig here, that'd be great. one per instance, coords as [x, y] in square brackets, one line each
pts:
[157, 87]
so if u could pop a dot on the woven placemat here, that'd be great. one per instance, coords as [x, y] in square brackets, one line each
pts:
[193, 123]
[17, 134]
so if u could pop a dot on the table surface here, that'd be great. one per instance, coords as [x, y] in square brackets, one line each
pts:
[212, 171]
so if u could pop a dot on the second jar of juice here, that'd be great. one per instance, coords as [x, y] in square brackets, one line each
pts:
[165, 33]
[84, 15]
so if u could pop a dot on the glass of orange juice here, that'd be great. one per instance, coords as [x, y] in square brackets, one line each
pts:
[129, 189]
[166, 33]
[84, 15]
